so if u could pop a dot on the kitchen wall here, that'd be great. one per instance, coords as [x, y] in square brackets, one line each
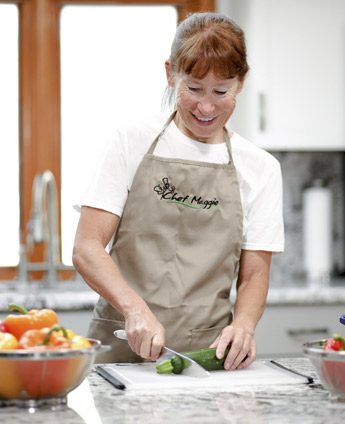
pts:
[300, 170]
[303, 110]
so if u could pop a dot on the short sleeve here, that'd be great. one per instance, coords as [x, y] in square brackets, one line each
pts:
[263, 221]
[107, 185]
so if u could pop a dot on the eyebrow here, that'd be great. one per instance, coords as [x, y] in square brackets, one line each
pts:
[220, 83]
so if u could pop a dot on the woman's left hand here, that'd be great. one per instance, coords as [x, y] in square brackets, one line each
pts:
[252, 287]
[243, 347]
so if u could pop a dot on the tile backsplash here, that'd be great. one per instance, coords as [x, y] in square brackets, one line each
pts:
[300, 170]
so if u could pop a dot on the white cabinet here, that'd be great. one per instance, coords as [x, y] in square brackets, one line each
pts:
[78, 321]
[283, 329]
[294, 97]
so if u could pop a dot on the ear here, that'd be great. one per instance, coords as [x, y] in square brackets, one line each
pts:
[240, 86]
[169, 73]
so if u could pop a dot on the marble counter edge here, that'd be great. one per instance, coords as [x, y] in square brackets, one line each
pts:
[66, 301]
[85, 299]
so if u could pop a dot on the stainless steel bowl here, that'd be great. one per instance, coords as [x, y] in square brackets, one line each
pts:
[329, 366]
[46, 377]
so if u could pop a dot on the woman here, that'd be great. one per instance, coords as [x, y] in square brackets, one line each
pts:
[192, 206]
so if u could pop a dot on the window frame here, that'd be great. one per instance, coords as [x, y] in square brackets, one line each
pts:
[40, 97]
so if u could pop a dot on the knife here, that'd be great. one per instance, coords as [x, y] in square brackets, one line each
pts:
[107, 373]
[342, 319]
[193, 369]
[310, 379]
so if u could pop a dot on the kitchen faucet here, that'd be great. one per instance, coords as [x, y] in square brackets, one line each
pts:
[43, 227]
[45, 194]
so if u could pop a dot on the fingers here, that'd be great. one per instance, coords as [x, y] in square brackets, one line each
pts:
[146, 342]
[245, 356]
[243, 347]
[249, 359]
[215, 343]
[157, 345]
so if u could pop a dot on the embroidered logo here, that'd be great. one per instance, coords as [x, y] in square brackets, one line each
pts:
[168, 193]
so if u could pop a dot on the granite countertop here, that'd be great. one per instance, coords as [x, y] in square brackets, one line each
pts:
[64, 296]
[96, 401]
[292, 295]
[77, 295]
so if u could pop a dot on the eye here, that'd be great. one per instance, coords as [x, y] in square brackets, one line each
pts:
[221, 93]
[193, 89]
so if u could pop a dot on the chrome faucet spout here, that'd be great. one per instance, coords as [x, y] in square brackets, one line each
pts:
[44, 220]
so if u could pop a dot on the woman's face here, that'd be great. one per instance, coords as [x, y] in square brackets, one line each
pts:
[204, 105]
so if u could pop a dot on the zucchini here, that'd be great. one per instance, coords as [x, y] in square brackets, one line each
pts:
[204, 357]
[177, 364]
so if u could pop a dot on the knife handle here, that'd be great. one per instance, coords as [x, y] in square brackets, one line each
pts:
[120, 334]
[310, 379]
[101, 370]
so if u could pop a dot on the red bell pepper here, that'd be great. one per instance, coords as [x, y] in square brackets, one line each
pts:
[333, 372]
[3, 327]
[46, 377]
[336, 343]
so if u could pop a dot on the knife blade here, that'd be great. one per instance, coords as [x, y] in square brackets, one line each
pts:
[193, 369]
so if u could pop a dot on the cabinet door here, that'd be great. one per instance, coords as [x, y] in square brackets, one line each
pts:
[294, 97]
[78, 321]
[284, 329]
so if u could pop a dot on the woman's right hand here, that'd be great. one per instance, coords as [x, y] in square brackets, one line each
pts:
[145, 334]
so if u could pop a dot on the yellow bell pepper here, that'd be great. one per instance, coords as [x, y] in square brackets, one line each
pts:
[10, 383]
[77, 342]
[8, 341]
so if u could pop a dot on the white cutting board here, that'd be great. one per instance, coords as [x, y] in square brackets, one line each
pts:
[144, 376]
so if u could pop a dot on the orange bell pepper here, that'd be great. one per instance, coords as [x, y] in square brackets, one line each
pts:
[34, 319]
[45, 339]
[49, 376]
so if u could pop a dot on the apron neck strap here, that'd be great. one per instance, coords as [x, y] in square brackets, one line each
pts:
[155, 141]
[168, 122]
[228, 144]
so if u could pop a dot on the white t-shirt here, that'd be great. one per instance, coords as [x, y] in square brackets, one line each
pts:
[258, 174]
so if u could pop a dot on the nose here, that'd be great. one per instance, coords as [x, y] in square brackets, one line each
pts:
[206, 105]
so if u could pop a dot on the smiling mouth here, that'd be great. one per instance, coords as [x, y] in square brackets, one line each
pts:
[203, 120]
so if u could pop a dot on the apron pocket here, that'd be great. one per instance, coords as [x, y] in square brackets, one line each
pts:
[203, 337]
[103, 330]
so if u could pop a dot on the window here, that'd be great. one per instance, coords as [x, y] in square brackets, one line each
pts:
[9, 136]
[34, 116]
[112, 69]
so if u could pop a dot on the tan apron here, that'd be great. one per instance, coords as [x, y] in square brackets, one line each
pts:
[177, 245]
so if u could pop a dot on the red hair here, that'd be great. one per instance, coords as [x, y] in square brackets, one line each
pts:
[207, 42]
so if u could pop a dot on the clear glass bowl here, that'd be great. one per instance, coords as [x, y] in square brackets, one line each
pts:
[31, 379]
[329, 366]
